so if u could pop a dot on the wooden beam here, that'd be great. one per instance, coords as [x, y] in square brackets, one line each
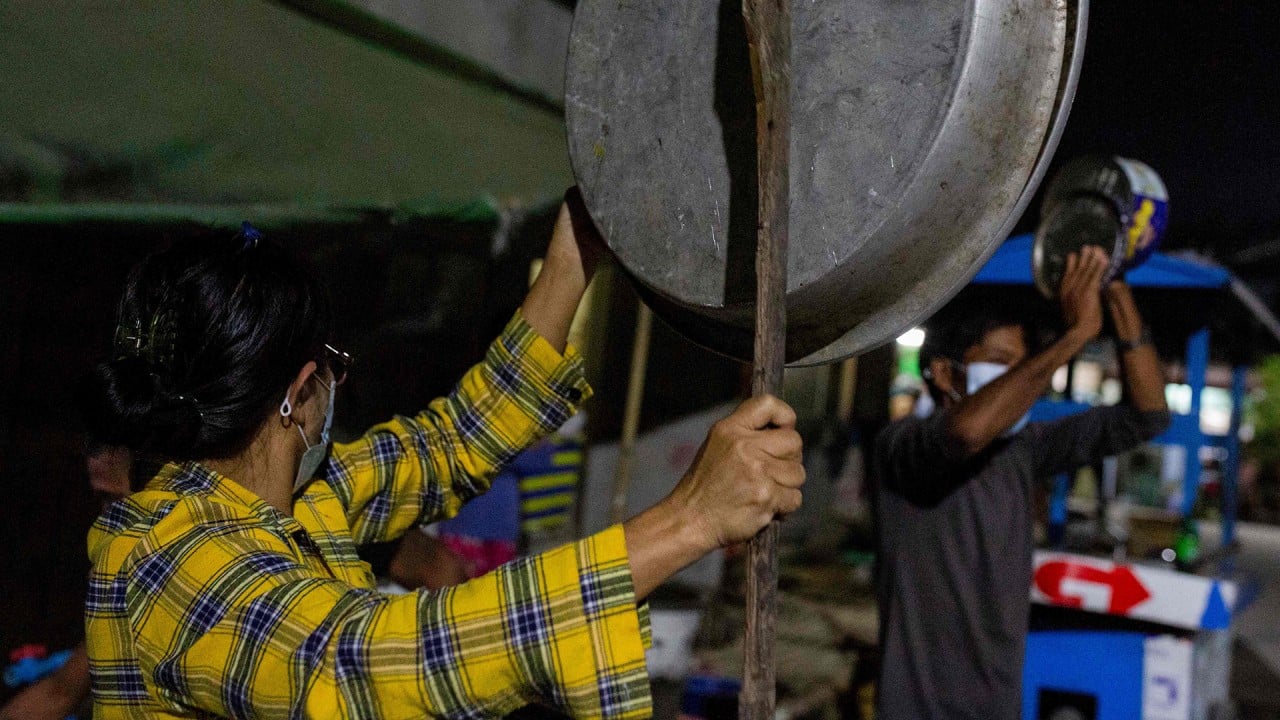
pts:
[358, 22]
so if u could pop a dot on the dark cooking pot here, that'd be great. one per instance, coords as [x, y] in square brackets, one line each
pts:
[1118, 204]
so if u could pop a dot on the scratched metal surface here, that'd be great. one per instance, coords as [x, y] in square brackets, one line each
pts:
[916, 128]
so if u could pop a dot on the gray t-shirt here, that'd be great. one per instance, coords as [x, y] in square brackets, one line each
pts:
[955, 537]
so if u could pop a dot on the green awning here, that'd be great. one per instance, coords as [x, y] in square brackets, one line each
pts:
[482, 211]
[151, 109]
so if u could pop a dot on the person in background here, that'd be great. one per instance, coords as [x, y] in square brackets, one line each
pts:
[529, 506]
[904, 397]
[230, 585]
[65, 691]
[422, 561]
[954, 494]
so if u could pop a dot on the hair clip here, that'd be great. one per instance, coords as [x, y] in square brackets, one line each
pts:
[191, 402]
[128, 340]
[156, 343]
[252, 235]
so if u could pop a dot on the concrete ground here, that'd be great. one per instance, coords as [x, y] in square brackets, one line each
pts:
[1255, 674]
[1255, 680]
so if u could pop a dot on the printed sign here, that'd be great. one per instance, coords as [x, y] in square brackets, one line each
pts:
[1166, 678]
[1069, 583]
[1149, 214]
[1157, 594]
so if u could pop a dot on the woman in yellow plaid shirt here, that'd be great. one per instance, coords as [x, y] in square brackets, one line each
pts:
[230, 587]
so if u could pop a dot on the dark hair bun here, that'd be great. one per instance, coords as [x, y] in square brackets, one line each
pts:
[125, 403]
[210, 332]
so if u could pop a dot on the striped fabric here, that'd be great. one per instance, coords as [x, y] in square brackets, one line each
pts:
[205, 601]
[549, 475]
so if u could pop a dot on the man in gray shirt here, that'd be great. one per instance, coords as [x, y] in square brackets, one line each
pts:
[954, 495]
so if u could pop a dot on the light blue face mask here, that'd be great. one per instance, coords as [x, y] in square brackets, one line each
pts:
[980, 374]
[314, 454]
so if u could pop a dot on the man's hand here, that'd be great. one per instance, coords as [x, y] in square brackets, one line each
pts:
[1143, 375]
[1080, 294]
[1124, 312]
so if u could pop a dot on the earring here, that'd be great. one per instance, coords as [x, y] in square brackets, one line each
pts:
[286, 410]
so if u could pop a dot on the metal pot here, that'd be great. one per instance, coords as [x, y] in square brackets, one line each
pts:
[920, 131]
[1118, 204]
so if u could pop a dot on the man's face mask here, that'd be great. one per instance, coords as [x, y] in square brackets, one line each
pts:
[980, 374]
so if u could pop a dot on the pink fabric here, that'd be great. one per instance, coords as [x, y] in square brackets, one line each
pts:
[480, 556]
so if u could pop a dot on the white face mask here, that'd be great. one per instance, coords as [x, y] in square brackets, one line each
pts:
[980, 374]
[314, 455]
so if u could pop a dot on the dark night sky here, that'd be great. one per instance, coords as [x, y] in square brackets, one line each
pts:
[1192, 89]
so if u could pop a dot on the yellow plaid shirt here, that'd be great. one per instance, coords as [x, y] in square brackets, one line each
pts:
[205, 601]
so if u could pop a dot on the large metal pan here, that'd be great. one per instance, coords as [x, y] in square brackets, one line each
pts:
[919, 133]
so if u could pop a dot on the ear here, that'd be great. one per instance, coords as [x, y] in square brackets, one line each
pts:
[943, 376]
[300, 390]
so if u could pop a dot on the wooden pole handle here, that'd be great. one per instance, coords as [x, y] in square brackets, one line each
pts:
[769, 34]
[631, 414]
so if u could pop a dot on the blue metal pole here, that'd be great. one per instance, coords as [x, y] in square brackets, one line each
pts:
[1231, 469]
[1197, 368]
[1058, 510]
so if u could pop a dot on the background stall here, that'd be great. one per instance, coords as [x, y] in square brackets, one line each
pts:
[1135, 593]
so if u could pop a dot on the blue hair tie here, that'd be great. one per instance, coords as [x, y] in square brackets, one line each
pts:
[250, 234]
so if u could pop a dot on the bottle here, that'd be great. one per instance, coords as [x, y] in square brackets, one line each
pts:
[1186, 547]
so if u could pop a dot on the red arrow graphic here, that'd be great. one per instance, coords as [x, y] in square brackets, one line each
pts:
[1127, 591]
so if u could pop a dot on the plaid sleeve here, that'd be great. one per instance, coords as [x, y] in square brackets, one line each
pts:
[424, 468]
[226, 621]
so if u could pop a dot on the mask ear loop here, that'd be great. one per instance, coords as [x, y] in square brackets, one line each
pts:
[286, 416]
[956, 365]
[286, 411]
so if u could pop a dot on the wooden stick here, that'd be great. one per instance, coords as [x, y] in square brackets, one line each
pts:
[631, 415]
[845, 390]
[769, 34]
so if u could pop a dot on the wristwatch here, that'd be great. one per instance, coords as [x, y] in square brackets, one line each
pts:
[1144, 338]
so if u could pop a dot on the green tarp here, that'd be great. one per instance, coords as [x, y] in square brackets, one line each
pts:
[149, 109]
